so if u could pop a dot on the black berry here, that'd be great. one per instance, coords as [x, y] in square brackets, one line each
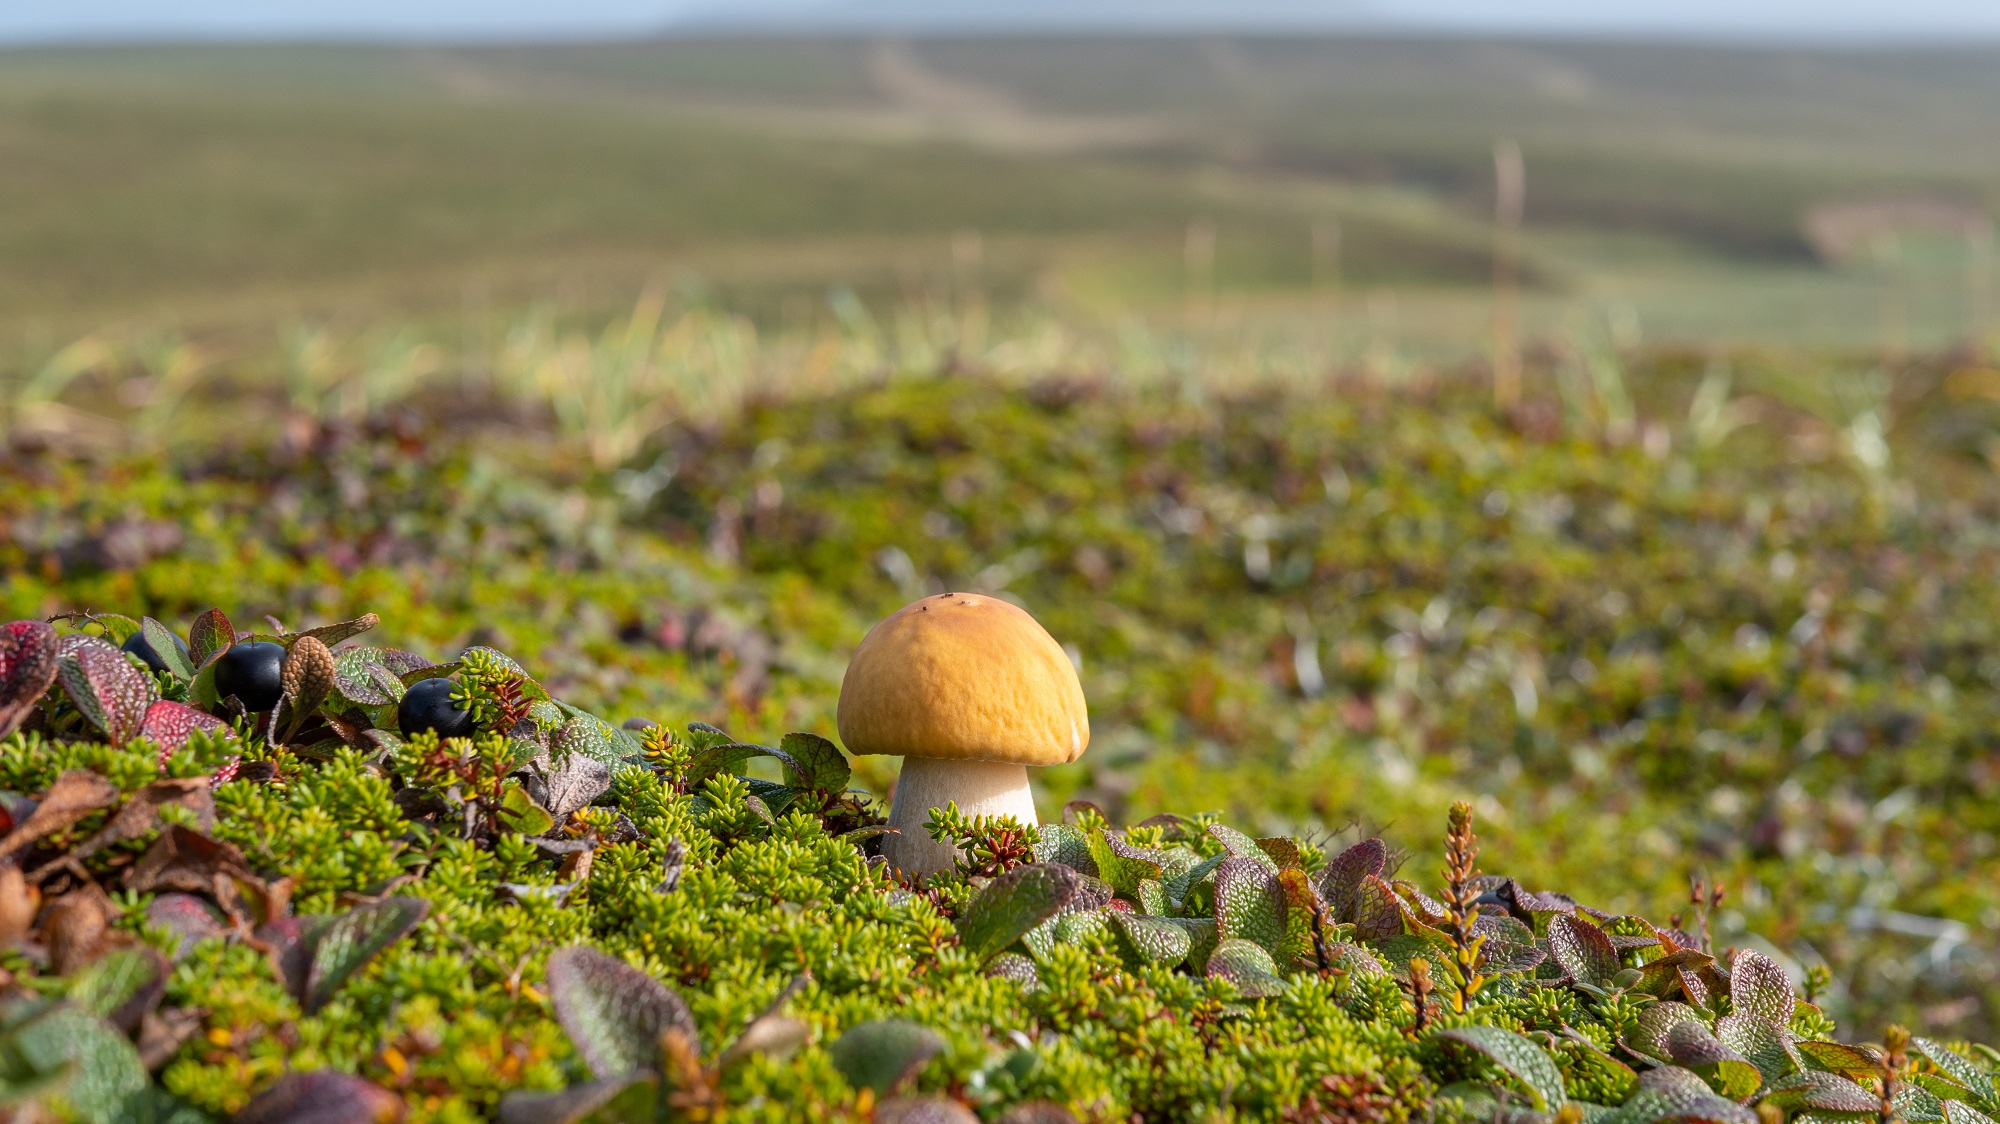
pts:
[427, 705]
[141, 647]
[250, 671]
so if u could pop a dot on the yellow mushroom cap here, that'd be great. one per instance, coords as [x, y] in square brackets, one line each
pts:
[961, 676]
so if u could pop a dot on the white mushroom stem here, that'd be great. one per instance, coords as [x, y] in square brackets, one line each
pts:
[981, 788]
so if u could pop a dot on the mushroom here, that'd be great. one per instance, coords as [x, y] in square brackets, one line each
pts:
[968, 690]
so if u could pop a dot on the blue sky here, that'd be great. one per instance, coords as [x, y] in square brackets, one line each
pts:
[1862, 20]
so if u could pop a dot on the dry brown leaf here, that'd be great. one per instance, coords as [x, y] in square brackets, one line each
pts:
[76, 794]
[141, 814]
[76, 927]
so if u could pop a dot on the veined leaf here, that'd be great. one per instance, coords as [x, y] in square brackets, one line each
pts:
[614, 1013]
[1250, 903]
[1247, 965]
[1526, 1062]
[1583, 950]
[1340, 882]
[1012, 904]
[210, 636]
[167, 646]
[884, 1054]
[354, 938]
[107, 688]
[1757, 986]
[816, 763]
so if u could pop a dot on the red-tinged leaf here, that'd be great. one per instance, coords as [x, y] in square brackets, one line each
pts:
[1841, 1058]
[1241, 845]
[111, 692]
[167, 724]
[331, 634]
[189, 918]
[1758, 986]
[1822, 1092]
[1340, 882]
[210, 636]
[1247, 965]
[167, 647]
[350, 940]
[1250, 903]
[1012, 904]
[28, 663]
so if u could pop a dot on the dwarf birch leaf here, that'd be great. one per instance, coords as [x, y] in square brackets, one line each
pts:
[354, 938]
[1247, 965]
[1012, 904]
[1521, 1058]
[1582, 949]
[614, 1013]
[883, 1054]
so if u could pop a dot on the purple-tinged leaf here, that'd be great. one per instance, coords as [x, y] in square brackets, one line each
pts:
[1526, 1062]
[1340, 882]
[1758, 986]
[1841, 1058]
[1377, 914]
[1767, 1045]
[1729, 1073]
[614, 1013]
[1250, 903]
[1656, 1021]
[1242, 846]
[1582, 949]
[322, 1096]
[568, 1106]
[1812, 1091]
[108, 689]
[331, 634]
[28, 662]
[190, 919]
[925, 1109]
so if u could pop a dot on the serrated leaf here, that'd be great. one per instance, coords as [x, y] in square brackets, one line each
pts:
[1120, 863]
[1378, 914]
[1012, 904]
[1757, 986]
[1247, 965]
[1583, 950]
[1766, 1044]
[210, 636]
[167, 724]
[614, 1013]
[1242, 846]
[354, 938]
[167, 646]
[884, 1054]
[1147, 940]
[816, 763]
[1250, 903]
[1526, 1062]
[108, 690]
[1821, 1092]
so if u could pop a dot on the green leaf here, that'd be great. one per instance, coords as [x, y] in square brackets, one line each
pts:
[519, 812]
[614, 1013]
[1821, 1092]
[1526, 1062]
[1061, 843]
[1729, 1073]
[884, 1054]
[576, 1103]
[702, 736]
[1012, 904]
[1242, 846]
[816, 763]
[1147, 940]
[1378, 914]
[1247, 965]
[1016, 967]
[1657, 1021]
[1583, 950]
[1841, 1058]
[1250, 903]
[1180, 885]
[168, 647]
[1766, 1044]
[362, 679]
[1120, 863]
[201, 690]
[1977, 1085]
[106, 1082]
[592, 737]
[354, 938]
[106, 984]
